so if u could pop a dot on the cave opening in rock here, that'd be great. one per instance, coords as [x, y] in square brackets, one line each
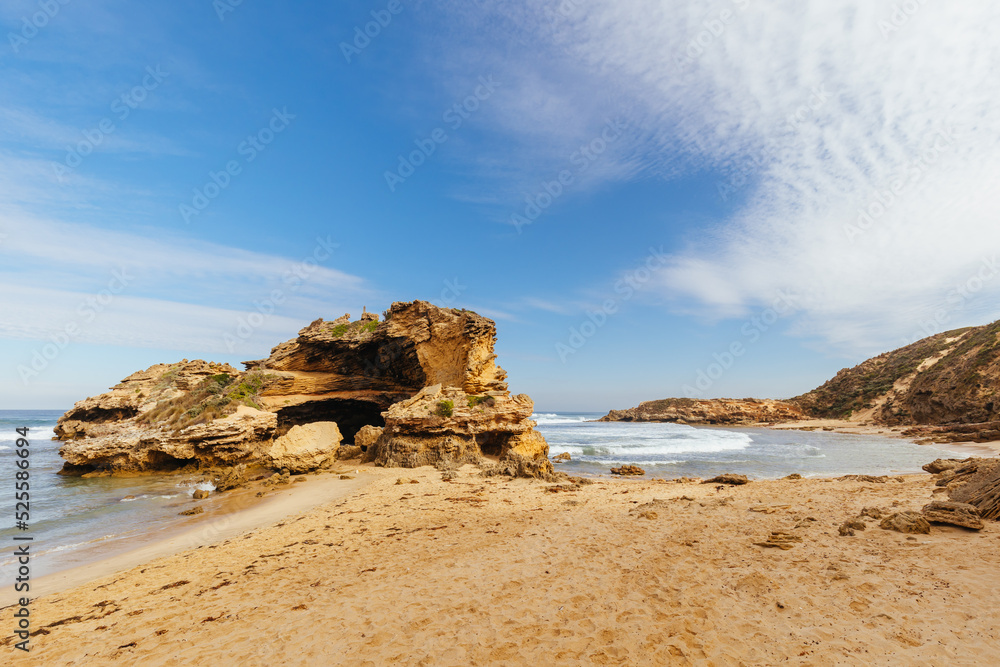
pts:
[350, 415]
[491, 444]
[157, 460]
[105, 415]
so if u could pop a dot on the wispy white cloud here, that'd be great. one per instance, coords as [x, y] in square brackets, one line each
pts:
[129, 321]
[825, 109]
[546, 305]
[163, 291]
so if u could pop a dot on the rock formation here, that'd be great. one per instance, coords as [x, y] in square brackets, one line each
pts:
[421, 387]
[977, 483]
[906, 522]
[155, 420]
[728, 478]
[350, 372]
[945, 387]
[716, 411]
[447, 424]
[956, 514]
[139, 392]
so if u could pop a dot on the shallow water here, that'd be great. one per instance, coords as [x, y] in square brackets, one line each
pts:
[675, 450]
[72, 519]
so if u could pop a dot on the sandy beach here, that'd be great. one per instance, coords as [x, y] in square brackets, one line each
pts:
[498, 571]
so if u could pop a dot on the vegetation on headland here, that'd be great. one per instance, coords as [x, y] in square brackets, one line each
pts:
[213, 398]
[951, 376]
[479, 400]
[857, 388]
[362, 327]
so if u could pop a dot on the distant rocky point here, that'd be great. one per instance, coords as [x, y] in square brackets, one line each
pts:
[715, 411]
[945, 387]
[419, 388]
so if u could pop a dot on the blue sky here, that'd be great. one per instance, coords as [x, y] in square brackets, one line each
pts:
[650, 198]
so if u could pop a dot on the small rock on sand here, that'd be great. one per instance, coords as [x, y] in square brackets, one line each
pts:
[906, 522]
[231, 478]
[881, 479]
[192, 511]
[728, 478]
[956, 514]
[938, 466]
[200, 494]
[872, 513]
[348, 452]
[848, 527]
[780, 540]
[628, 470]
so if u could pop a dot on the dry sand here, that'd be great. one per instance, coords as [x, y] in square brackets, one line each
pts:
[494, 571]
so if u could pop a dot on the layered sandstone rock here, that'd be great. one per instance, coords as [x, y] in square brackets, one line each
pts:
[139, 392]
[956, 514]
[449, 425]
[716, 411]
[129, 447]
[365, 385]
[350, 372]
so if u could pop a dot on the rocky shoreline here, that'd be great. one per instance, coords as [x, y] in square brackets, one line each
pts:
[420, 387]
[941, 389]
[709, 412]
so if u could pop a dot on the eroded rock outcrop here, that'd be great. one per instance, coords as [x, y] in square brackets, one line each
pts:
[447, 424]
[956, 514]
[382, 386]
[139, 392]
[350, 372]
[906, 522]
[976, 482]
[728, 411]
[156, 420]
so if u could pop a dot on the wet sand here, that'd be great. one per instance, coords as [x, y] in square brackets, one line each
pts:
[497, 571]
[840, 426]
[226, 516]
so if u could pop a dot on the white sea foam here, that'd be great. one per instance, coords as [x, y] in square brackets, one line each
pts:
[640, 462]
[551, 418]
[190, 487]
[648, 445]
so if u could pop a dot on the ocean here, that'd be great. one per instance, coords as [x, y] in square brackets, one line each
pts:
[72, 520]
[75, 521]
[676, 450]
